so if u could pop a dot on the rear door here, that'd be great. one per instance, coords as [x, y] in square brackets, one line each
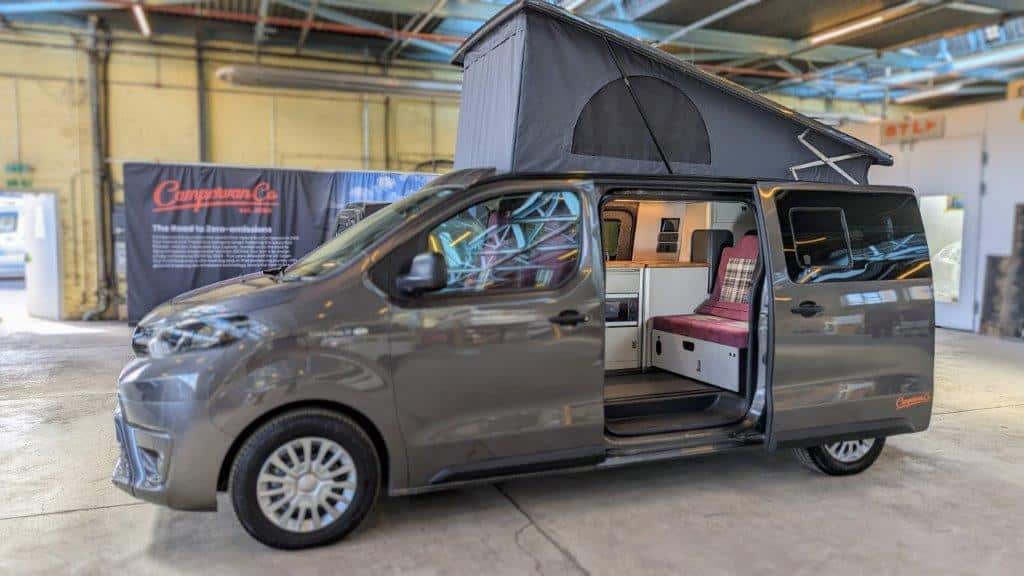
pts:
[853, 315]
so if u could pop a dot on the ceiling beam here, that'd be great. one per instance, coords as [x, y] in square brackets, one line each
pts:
[709, 19]
[307, 25]
[476, 10]
[637, 9]
[646, 31]
[343, 18]
[259, 34]
[417, 26]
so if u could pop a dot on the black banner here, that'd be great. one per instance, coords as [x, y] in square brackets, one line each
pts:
[189, 226]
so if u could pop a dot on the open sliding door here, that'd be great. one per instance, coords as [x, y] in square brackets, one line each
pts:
[853, 316]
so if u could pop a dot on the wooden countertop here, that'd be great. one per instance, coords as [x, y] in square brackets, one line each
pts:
[652, 264]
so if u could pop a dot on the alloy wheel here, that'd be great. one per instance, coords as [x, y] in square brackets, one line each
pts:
[850, 450]
[306, 484]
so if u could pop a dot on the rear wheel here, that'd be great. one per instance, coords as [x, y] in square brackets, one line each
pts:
[305, 478]
[842, 458]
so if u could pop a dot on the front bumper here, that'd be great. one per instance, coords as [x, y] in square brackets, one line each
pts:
[177, 468]
[141, 468]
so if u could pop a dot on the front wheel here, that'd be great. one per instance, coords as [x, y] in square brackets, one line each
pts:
[304, 479]
[842, 458]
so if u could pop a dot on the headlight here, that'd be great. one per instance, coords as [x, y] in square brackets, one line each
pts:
[199, 333]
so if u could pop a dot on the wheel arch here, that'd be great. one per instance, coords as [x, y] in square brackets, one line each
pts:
[365, 423]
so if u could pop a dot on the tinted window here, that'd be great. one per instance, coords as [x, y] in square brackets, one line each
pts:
[517, 241]
[820, 238]
[844, 236]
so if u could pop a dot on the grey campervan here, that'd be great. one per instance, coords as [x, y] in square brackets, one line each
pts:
[503, 323]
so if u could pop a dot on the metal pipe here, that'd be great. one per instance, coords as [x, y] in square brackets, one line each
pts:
[996, 57]
[366, 134]
[97, 121]
[203, 107]
[387, 133]
[280, 77]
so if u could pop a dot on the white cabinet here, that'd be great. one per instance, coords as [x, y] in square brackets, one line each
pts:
[621, 348]
[622, 281]
[669, 291]
[709, 362]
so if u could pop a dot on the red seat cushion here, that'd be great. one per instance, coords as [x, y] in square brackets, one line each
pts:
[703, 327]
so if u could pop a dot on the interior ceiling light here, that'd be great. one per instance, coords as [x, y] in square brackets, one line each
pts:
[866, 22]
[141, 19]
[844, 30]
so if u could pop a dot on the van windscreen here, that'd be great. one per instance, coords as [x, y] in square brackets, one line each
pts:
[354, 241]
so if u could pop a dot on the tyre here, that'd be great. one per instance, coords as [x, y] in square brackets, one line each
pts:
[305, 478]
[842, 458]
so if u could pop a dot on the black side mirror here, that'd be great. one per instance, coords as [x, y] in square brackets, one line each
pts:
[427, 273]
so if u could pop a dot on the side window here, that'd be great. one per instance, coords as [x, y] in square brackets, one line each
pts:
[820, 238]
[512, 242]
[847, 236]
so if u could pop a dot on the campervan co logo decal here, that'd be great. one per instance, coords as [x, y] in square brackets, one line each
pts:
[168, 196]
[904, 402]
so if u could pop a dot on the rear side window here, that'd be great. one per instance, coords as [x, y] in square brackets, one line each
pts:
[847, 236]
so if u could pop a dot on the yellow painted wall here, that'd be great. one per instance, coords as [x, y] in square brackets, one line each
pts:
[153, 107]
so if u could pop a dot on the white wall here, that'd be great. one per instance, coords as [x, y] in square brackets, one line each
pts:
[648, 225]
[1000, 125]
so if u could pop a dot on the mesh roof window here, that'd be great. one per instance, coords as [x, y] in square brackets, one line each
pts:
[611, 125]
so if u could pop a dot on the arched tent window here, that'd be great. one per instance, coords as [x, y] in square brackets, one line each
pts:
[610, 124]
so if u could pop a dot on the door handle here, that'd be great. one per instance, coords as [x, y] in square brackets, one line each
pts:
[569, 318]
[807, 309]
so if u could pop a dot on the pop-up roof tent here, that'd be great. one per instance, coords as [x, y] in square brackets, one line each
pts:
[547, 91]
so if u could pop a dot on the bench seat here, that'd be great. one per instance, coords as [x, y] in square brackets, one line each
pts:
[716, 329]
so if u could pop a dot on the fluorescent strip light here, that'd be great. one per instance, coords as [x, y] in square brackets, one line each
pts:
[141, 20]
[844, 30]
[975, 8]
[943, 90]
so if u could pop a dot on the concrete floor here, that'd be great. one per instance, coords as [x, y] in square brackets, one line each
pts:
[948, 501]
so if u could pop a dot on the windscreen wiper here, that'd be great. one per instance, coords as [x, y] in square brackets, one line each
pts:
[276, 271]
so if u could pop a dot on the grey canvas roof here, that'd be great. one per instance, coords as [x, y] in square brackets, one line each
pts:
[546, 90]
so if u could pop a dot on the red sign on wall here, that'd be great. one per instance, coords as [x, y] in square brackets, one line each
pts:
[917, 128]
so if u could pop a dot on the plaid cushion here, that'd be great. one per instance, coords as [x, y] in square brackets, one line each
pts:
[739, 275]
